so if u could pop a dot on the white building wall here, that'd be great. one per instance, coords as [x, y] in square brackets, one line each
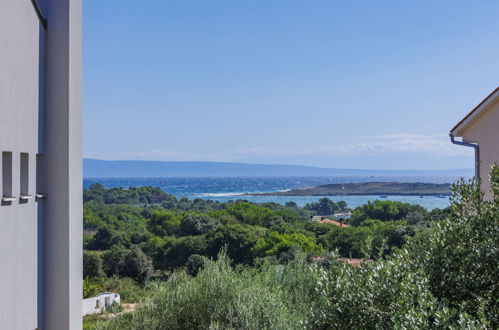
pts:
[41, 240]
[19, 95]
[62, 167]
[91, 307]
[485, 131]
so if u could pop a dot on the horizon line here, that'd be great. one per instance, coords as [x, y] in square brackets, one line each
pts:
[274, 164]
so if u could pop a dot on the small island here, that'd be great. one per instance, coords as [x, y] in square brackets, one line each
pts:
[368, 188]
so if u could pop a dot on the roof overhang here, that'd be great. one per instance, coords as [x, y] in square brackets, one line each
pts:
[477, 111]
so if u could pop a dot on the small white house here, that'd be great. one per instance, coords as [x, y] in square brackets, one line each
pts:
[97, 305]
[342, 216]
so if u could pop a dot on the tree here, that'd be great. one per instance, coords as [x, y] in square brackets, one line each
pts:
[105, 238]
[239, 240]
[325, 206]
[92, 265]
[164, 222]
[343, 206]
[114, 259]
[386, 211]
[176, 251]
[250, 214]
[275, 244]
[137, 266]
[197, 224]
[350, 242]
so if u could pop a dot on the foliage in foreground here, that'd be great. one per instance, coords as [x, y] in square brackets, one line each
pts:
[298, 295]
[444, 278]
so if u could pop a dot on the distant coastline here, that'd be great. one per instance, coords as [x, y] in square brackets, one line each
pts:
[94, 168]
[227, 189]
[368, 188]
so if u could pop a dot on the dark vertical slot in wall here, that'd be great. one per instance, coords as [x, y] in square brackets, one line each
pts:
[24, 173]
[7, 173]
[39, 175]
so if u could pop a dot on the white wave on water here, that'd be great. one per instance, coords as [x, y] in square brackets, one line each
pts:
[235, 194]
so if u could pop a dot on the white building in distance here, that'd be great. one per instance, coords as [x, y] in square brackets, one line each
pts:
[100, 303]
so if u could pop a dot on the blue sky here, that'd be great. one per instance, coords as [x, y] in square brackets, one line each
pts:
[345, 84]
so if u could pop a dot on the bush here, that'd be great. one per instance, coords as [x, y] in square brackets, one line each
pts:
[195, 263]
[387, 294]
[218, 298]
[460, 255]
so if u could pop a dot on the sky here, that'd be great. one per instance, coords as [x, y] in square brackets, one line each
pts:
[339, 84]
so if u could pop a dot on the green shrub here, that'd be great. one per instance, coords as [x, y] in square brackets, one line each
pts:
[460, 255]
[195, 263]
[114, 308]
[218, 298]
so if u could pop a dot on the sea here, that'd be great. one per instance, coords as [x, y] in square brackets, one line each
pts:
[236, 188]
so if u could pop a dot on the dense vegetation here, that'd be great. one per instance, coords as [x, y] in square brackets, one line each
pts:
[266, 266]
[123, 226]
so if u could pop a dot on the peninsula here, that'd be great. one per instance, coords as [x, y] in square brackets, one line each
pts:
[368, 188]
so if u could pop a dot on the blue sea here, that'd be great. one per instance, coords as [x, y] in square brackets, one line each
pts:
[234, 188]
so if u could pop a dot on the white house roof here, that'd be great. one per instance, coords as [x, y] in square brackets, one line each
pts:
[479, 109]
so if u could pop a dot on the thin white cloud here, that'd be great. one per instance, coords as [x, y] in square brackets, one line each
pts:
[163, 155]
[434, 145]
[437, 145]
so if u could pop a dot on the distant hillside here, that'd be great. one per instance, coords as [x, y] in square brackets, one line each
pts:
[369, 188]
[93, 168]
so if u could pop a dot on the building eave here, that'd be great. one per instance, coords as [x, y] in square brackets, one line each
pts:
[479, 109]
